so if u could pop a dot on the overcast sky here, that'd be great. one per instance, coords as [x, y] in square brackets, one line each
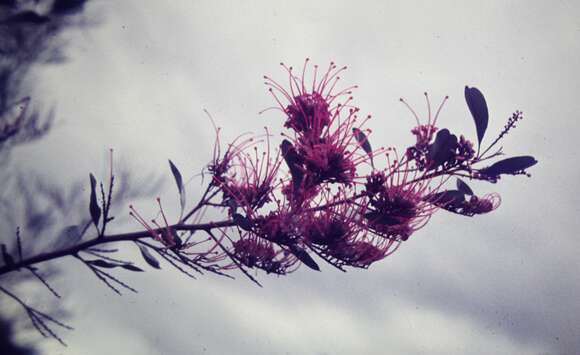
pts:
[503, 283]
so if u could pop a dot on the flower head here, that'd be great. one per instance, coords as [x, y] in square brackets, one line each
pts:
[322, 148]
[436, 148]
[258, 253]
[397, 204]
[250, 178]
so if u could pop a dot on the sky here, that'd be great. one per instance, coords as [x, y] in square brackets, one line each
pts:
[139, 79]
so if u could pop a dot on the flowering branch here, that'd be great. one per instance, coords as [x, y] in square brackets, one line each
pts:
[323, 194]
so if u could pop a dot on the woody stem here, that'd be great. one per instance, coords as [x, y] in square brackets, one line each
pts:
[133, 236]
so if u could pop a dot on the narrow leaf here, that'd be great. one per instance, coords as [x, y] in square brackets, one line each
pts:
[292, 159]
[102, 263]
[94, 208]
[303, 256]
[131, 267]
[478, 108]
[150, 259]
[509, 166]
[463, 187]
[179, 182]
[363, 141]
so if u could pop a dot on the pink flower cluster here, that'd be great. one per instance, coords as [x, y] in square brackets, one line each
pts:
[320, 194]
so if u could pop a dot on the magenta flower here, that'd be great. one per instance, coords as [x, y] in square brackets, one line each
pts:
[251, 177]
[322, 148]
[255, 252]
[309, 198]
[397, 205]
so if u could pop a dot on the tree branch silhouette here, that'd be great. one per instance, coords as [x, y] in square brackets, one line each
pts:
[322, 193]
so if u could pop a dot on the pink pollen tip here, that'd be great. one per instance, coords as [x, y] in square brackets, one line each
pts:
[158, 199]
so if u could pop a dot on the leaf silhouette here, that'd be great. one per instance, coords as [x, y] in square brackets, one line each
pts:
[131, 267]
[478, 108]
[363, 141]
[94, 208]
[463, 187]
[509, 166]
[179, 182]
[303, 256]
[443, 148]
[149, 259]
[102, 263]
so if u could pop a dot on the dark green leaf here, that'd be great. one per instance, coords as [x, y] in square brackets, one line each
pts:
[509, 166]
[463, 187]
[292, 159]
[179, 182]
[94, 208]
[303, 256]
[443, 148]
[363, 141]
[150, 259]
[102, 263]
[478, 108]
[131, 267]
